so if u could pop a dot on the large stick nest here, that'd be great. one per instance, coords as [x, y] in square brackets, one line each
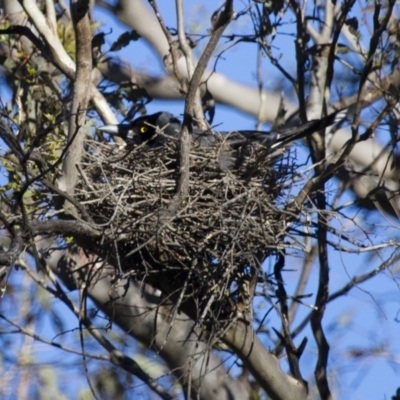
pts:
[211, 244]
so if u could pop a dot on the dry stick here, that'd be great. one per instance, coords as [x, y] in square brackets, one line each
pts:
[220, 25]
[282, 297]
[171, 43]
[301, 43]
[198, 110]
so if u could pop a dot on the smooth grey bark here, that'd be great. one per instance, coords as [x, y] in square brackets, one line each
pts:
[142, 313]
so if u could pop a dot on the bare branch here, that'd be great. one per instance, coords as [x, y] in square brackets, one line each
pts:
[262, 364]
[81, 96]
[222, 22]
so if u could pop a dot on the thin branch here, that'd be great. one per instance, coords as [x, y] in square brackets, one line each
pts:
[353, 283]
[281, 295]
[41, 339]
[198, 111]
[81, 97]
[62, 60]
[221, 23]
[379, 29]
[320, 372]
[118, 358]
[172, 46]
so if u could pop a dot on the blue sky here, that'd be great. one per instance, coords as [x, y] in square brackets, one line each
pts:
[364, 318]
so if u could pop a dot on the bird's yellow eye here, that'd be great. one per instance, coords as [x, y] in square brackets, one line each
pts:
[143, 129]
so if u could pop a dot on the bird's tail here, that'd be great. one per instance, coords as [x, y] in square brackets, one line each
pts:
[287, 135]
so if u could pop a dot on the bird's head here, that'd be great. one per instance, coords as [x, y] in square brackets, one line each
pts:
[147, 128]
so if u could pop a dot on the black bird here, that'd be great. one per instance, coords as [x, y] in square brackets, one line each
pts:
[156, 128]
[153, 129]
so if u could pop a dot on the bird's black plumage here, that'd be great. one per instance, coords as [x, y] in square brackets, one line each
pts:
[156, 128]
[153, 129]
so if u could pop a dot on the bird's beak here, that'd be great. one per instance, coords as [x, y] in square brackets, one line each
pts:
[121, 130]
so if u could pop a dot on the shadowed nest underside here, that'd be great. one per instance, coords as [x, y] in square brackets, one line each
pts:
[210, 246]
